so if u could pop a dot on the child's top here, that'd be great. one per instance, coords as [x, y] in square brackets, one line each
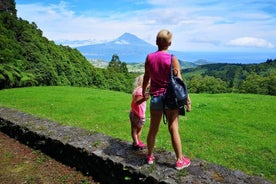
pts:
[138, 109]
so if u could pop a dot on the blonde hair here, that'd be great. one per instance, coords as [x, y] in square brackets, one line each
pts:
[164, 39]
[138, 81]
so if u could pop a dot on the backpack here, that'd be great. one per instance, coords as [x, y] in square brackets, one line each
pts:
[176, 93]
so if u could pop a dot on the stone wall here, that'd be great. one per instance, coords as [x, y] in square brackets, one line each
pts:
[110, 160]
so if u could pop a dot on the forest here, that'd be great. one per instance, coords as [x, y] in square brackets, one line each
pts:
[228, 78]
[27, 58]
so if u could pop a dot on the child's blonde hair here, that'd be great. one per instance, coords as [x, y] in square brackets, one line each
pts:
[164, 39]
[138, 81]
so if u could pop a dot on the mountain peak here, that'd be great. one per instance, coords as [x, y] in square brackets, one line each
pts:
[128, 38]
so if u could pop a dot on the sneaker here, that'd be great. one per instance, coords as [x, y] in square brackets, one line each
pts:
[138, 146]
[150, 159]
[142, 144]
[185, 162]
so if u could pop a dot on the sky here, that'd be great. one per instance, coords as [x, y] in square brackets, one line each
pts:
[196, 25]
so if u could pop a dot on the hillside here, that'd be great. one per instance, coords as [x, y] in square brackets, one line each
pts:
[226, 71]
[28, 58]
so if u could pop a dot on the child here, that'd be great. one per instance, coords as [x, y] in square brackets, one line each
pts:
[137, 113]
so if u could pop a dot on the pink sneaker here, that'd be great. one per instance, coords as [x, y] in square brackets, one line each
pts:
[138, 146]
[141, 144]
[185, 162]
[150, 159]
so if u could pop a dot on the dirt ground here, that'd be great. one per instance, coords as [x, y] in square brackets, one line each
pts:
[20, 164]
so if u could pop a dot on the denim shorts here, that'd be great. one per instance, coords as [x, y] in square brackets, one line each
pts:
[156, 103]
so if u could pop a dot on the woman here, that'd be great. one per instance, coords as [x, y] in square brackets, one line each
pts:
[157, 69]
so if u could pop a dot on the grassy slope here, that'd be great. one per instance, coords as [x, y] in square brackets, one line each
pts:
[234, 130]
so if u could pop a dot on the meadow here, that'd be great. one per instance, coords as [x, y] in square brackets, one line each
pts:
[233, 130]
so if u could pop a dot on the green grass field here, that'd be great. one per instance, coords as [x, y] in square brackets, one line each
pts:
[233, 130]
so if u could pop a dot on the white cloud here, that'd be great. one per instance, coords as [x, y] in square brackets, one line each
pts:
[250, 42]
[60, 24]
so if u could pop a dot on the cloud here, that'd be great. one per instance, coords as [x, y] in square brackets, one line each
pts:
[198, 25]
[250, 42]
[60, 24]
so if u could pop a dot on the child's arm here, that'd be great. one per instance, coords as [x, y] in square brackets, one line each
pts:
[140, 99]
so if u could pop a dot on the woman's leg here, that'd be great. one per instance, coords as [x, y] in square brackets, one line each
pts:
[172, 116]
[155, 118]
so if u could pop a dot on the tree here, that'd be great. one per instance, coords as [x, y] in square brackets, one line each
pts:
[272, 83]
[213, 85]
[254, 84]
[115, 65]
[194, 84]
[206, 84]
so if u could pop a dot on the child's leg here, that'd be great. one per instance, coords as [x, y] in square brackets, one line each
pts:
[133, 128]
[139, 132]
[133, 122]
[134, 134]
[136, 131]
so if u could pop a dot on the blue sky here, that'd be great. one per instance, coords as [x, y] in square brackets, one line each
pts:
[197, 25]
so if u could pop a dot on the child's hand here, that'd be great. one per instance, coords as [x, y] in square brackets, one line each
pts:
[189, 105]
[146, 96]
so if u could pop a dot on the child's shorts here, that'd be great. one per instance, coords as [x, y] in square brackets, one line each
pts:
[139, 122]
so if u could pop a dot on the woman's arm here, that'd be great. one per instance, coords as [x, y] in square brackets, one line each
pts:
[176, 67]
[146, 78]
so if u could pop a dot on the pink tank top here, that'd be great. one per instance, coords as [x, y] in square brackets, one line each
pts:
[138, 110]
[159, 69]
